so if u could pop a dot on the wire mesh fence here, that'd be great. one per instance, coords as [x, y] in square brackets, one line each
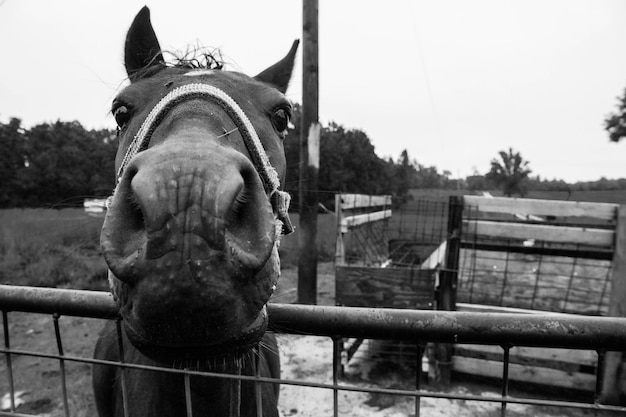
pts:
[488, 254]
[536, 273]
[404, 239]
[540, 282]
[544, 271]
[506, 331]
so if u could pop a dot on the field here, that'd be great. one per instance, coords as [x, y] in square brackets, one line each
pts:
[51, 248]
[603, 196]
[60, 248]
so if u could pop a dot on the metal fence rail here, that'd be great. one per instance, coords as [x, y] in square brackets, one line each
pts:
[600, 334]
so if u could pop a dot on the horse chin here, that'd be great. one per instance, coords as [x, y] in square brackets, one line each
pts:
[233, 347]
[203, 321]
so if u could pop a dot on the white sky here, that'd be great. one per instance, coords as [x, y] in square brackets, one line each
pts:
[453, 82]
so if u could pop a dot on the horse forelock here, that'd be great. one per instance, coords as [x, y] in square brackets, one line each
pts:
[197, 58]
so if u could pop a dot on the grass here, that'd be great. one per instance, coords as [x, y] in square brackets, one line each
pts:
[60, 248]
[51, 248]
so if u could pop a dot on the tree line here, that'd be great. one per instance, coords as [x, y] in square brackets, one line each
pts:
[54, 164]
[60, 164]
[349, 163]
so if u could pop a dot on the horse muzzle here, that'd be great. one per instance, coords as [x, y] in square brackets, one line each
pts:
[190, 240]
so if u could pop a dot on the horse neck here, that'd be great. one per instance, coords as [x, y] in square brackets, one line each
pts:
[163, 393]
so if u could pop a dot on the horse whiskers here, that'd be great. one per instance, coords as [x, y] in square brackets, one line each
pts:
[267, 347]
[281, 294]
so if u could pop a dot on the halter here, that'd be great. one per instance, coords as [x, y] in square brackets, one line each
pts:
[279, 199]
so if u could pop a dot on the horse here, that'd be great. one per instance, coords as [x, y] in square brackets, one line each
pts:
[191, 233]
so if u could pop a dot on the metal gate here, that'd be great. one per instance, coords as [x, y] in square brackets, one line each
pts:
[600, 334]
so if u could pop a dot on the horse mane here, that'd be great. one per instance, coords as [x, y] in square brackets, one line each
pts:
[198, 58]
[191, 59]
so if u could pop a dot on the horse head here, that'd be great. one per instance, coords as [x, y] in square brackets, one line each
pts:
[191, 232]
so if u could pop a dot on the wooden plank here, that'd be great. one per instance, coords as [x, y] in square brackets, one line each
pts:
[524, 206]
[351, 221]
[352, 201]
[612, 388]
[551, 358]
[340, 249]
[384, 287]
[556, 234]
[529, 374]
[437, 257]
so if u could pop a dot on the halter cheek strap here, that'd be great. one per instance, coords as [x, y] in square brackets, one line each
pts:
[279, 199]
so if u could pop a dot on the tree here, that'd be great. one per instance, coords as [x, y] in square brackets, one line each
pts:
[12, 162]
[403, 177]
[615, 123]
[510, 173]
[56, 164]
[348, 163]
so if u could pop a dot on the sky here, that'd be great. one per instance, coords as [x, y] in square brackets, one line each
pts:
[451, 81]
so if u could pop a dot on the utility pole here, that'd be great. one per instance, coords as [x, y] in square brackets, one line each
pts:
[309, 156]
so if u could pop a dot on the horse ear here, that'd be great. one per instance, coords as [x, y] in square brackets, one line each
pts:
[142, 47]
[279, 74]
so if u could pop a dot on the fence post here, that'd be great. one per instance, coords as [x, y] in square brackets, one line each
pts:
[340, 250]
[309, 156]
[613, 389]
[448, 279]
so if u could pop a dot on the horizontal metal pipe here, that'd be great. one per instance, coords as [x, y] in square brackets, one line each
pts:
[96, 304]
[558, 331]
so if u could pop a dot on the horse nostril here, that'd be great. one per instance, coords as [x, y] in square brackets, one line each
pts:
[136, 219]
[123, 233]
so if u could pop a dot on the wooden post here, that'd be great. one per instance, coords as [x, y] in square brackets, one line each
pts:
[309, 156]
[340, 250]
[613, 385]
[448, 279]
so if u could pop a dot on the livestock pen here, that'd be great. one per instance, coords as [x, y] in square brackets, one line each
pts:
[486, 254]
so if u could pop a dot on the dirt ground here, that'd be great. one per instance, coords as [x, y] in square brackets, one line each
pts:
[38, 382]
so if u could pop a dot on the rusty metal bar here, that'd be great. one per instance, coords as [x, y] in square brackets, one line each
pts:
[421, 348]
[557, 331]
[336, 365]
[235, 391]
[188, 406]
[57, 334]
[505, 378]
[256, 361]
[599, 375]
[120, 348]
[7, 345]
[96, 304]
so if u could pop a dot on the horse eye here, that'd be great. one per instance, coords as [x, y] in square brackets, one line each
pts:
[121, 115]
[280, 120]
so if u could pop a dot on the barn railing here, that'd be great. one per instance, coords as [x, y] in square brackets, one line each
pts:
[600, 334]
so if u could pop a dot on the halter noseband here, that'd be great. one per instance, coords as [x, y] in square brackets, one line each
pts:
[279, 199]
